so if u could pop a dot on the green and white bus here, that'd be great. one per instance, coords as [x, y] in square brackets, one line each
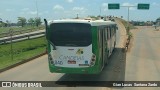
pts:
[79, 46]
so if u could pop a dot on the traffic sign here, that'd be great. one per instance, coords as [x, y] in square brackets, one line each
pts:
[143, 6]
[113, 6]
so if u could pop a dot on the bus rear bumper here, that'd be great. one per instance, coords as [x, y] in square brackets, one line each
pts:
[88, 70]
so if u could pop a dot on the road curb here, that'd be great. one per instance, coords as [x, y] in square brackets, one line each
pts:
[22, 62]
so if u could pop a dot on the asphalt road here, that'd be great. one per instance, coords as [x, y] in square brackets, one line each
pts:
[142, 63]
[7, 39]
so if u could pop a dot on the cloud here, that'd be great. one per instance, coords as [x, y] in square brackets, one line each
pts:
[155, 4]
[25, 9]
[79, 9]
[69, 1]
[58, 7]
[10, 10]
[82, 11]
[32, 12]
[104, 6]
[129, 4]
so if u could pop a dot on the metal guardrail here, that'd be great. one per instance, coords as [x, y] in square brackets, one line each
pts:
[16, 32]
[22, 37]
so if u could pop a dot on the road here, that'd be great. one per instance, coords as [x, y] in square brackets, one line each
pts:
[21, 37]
[141, 63]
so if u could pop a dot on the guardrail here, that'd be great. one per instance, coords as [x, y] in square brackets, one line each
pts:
[21, 37]
[16, 32]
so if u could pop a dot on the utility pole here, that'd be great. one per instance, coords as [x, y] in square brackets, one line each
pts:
[100, 11]
[141, 6]
[11, 33]
[128, 8]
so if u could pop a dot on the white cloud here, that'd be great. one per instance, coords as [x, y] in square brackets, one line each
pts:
[58, 7]
[69, 1]
[32, 12]
[129, 4]
[155, 4]
[9, 10]
[104, 6]
[82, 11]
[25, 9]
[79, 9]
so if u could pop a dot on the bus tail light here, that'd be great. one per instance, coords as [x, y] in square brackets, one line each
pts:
[50, 59]
[93, 60]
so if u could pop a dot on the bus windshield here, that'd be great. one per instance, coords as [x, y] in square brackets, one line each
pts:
[70, 34]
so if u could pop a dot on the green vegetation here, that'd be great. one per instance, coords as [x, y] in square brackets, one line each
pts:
[33, 28]
[130, 35]
[21, 51]
[22, 21]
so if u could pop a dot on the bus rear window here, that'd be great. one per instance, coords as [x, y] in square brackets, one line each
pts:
[70, 34]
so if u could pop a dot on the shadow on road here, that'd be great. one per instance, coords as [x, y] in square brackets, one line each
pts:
[113, 72]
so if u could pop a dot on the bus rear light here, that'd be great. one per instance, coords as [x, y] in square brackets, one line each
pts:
[50, 59]
[93, 60]
[52, 62]
[92, 63]
[93, 56]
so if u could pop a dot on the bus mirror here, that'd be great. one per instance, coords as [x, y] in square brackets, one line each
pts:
[46, 25]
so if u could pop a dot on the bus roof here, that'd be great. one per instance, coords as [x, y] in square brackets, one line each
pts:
[91, 22]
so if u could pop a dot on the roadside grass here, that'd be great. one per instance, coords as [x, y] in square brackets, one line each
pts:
[21, 51]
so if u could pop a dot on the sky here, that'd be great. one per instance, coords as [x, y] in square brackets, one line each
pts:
[59, 9]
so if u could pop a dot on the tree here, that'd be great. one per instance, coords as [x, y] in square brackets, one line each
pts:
[8, 23]
[38, 21]
[31, 21]
[2, 24]
[22, 21]
[158, 21]
[1, 20]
